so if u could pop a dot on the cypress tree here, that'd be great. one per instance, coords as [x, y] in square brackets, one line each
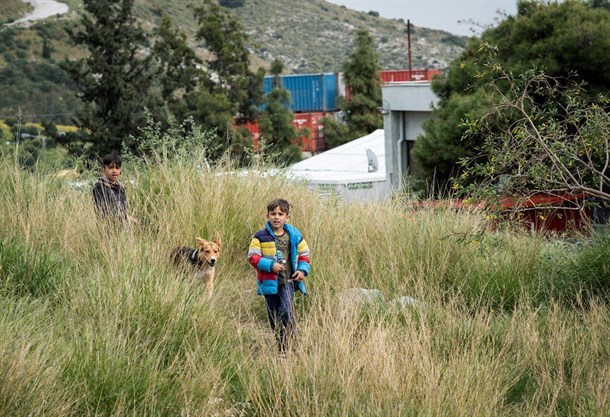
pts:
[361, 73]
[114, 79]
[362, 76]
[276, 120]
[179, 67]
[225, 38]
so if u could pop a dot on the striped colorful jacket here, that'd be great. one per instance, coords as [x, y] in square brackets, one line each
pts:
[262, 254]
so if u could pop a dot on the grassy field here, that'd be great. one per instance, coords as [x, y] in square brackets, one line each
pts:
[96, 322]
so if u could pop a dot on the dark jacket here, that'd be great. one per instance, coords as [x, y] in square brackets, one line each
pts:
[110, 199]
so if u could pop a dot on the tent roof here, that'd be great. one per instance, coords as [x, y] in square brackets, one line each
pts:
[346, 163]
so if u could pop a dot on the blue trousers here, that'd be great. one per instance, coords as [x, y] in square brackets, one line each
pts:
[281, 315]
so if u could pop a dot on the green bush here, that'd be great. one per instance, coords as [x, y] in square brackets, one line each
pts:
[232, 3]
[588, 275]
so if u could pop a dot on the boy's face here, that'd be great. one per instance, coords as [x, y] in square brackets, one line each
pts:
[277, 218]
[112, 172]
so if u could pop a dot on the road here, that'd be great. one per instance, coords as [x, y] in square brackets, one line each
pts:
[42, 10]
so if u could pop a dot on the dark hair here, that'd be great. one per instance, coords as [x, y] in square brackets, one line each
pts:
[281, 203]
[112, 158]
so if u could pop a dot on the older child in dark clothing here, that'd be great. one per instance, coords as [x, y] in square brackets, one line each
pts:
[108, 193]
[281, 257]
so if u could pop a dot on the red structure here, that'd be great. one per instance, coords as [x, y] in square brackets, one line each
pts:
[312, 141]
[542, 212]
[399, 76]
[549, 212]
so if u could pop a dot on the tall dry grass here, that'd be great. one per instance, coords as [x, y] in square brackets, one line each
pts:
[95, 320]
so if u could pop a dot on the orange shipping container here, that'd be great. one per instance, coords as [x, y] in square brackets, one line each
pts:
[397, 76]
[312, 141]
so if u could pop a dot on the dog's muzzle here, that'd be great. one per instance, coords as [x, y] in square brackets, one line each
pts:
[212, 262]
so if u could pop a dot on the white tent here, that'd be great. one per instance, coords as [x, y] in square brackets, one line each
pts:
[354, 171]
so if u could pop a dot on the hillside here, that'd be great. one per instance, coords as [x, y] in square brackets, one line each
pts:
[317, 36]
[312, 36]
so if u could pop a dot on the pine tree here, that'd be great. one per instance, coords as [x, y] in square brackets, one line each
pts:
[114, 79]
[46, 48]
[179, 67]
[362, 76]
[361, 73]
[276, 120]
[230, 66]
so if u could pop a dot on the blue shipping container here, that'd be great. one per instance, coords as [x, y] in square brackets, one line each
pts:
[309, 92]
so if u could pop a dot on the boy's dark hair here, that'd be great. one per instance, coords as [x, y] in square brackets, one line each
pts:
[281, 203]
[112, 158]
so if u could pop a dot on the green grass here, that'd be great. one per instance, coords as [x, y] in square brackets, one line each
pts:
[95, 321]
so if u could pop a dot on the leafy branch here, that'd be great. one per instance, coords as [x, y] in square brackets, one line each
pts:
[552, 138]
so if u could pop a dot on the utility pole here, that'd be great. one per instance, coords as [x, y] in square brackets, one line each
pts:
[409, 45]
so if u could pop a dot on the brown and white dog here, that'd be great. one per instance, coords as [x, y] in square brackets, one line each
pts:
[202, 260]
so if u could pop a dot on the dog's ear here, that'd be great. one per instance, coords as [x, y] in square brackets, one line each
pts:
[201, 242]
[217, 240]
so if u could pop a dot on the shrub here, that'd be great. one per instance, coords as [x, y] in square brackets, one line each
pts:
[589, 274]
[232, 3]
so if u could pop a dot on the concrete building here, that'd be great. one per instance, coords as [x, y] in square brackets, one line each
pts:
[406, 106]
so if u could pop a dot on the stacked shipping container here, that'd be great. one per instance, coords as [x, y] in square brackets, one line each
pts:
[314, 96]
[310, 92]
[319, 92]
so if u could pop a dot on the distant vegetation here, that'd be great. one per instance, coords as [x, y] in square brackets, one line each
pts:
[40, 47]
[13, 10]
[179, 69]
[32, 83]
[543, 36]
[231, 3]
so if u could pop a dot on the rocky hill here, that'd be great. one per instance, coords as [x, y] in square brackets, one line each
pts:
[317, 36]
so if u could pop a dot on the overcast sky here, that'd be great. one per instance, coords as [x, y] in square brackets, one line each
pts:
[437, 14]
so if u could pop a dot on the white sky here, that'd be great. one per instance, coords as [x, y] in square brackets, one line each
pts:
[438, 14]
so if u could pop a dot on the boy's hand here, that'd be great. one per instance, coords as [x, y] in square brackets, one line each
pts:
[277, 267]
[298, 276]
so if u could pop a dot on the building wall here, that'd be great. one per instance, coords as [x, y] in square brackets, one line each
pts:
[406, 106]
[362, 192]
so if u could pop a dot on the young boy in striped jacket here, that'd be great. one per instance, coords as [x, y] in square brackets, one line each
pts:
[281, 257]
